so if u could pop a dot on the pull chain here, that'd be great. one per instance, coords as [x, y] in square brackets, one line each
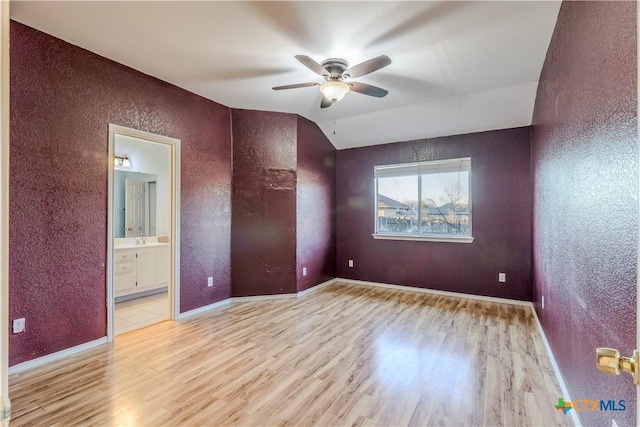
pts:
[334, 113]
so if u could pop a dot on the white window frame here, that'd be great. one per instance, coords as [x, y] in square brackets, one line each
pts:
[418, 169]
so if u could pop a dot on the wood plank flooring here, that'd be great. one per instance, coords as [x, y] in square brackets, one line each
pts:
[345, 355]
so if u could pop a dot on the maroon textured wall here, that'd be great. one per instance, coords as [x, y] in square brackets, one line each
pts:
[263, 227]
[501, 191]
[316, 201]
[584, 152]
[62, 101]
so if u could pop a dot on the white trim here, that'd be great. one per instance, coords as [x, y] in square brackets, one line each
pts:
[54, 357]
[227, 301]
[556, 369]
[176, 156]
[262, 297]
[5, 404]
[422, 238]
[203, 309]
[174, 291]
[316, 287]
[438, 292]
[110, 243]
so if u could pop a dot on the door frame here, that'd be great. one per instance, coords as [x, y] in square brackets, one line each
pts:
[174, 234]
[5, 404]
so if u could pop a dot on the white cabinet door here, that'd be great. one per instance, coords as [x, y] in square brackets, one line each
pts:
[125, 283]
[146, 265]
[164, 265]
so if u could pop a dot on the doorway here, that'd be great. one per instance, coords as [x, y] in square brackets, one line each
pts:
[143, 229]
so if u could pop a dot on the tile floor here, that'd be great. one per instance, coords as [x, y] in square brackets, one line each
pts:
[140, 312]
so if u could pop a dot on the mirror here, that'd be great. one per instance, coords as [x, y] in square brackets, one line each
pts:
[134, 204]
[146, 210]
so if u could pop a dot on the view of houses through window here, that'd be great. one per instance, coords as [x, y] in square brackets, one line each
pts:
[428, 198]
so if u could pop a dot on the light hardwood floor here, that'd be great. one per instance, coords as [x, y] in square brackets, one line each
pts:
[345, 355]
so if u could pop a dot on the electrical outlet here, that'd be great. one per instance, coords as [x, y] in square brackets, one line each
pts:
[502, 277]
[350, 263]
[543, 302]
[18, 325]
[210, 281]
[304, 271]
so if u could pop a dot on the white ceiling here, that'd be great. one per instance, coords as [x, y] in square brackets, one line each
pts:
[458, 67]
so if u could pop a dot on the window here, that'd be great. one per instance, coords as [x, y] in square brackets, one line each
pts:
[424, 201]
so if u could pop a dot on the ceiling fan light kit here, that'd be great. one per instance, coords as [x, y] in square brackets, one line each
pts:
[334, 90]
[334, 71]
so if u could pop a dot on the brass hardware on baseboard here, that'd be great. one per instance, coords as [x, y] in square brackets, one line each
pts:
[608, 360]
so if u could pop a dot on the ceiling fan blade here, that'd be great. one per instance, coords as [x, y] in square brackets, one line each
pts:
[325, 103]
[370, 90]
[295, 86]
[312, 65]
[367, 67]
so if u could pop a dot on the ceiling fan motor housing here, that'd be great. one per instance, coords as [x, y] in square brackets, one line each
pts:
[336, 67]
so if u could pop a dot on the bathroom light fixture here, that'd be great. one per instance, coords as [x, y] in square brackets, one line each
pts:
[334, 91]
[122, 161]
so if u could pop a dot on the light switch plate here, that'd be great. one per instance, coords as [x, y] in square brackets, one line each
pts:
[304, 271]
[350, 263]
[210, 281]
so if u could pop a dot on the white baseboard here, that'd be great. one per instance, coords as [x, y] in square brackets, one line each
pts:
[316, 287]
[284, 296]
[203, 309]
[556, 369]
[263, 297]
[54, 357]
[227, 301]
[437, 292]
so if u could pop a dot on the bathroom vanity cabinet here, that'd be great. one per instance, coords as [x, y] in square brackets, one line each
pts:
[141, 268]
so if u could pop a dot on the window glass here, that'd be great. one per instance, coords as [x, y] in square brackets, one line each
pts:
[445, 204]
[398, 204]
[424, 199]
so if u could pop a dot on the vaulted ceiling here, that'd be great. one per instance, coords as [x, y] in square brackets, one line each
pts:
[457, 67]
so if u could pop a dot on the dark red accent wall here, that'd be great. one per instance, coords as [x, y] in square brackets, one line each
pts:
[62, 101]
[263, 246]
[501, 192]
[283, 204]
[316, 201]
[585, 178]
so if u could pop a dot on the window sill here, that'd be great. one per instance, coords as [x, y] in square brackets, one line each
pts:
[419, 238]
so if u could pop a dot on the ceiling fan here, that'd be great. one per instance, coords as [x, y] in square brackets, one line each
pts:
[335, 71]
